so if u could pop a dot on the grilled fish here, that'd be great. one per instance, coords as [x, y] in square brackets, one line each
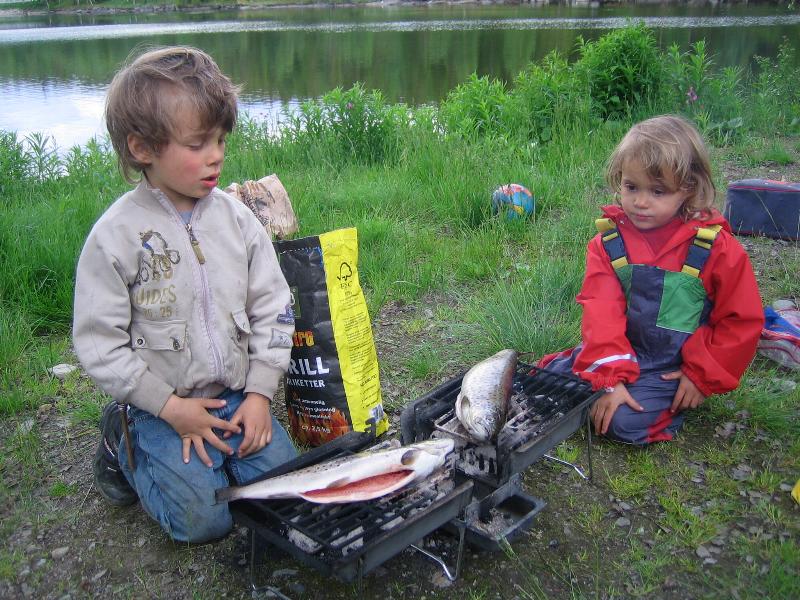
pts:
[482, 403]
[364, 476]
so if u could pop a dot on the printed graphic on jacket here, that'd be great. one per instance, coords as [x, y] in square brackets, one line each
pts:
[162, 257]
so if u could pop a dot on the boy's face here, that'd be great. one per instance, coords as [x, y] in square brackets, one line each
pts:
[648, 202]
[188, 167]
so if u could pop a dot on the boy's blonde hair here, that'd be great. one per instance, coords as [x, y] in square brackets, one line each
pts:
[147, 93]
[671, 151]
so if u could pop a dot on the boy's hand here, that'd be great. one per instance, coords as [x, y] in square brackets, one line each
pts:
[255, 417]
[687, 396]
[191, 419]
[605, 407]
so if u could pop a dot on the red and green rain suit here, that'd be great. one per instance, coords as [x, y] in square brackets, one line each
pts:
[691, 305]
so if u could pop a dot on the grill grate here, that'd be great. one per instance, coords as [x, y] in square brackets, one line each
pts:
[350, 539]
[546, 408]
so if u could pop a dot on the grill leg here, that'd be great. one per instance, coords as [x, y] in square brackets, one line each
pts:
[589, 445]
[459, 556]
[253, 586]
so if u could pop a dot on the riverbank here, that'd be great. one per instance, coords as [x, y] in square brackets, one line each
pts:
[158, 7]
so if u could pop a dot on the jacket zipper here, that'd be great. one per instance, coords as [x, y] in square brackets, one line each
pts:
[198, 252]
[206, 299]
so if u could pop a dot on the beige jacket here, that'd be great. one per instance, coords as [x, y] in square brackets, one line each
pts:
[156, 314]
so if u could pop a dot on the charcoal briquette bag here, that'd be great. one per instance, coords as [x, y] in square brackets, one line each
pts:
[332, 384]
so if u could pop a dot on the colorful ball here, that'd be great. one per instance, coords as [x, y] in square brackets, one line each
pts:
[513, 200]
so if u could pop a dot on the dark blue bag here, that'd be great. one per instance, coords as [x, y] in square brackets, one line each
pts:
[764, 207]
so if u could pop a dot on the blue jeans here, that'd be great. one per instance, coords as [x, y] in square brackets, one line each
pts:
[180, 496]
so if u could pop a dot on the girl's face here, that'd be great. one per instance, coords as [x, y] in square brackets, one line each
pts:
[648, 202]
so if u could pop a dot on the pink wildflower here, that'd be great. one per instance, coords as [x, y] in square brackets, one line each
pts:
[691, 95]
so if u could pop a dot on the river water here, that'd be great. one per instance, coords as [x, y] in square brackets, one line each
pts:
[54, 70]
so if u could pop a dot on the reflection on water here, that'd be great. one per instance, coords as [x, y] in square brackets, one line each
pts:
[94, 32]
[54, 70]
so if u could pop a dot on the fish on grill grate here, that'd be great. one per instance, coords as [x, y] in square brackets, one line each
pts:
[363, 476]
[482, 403]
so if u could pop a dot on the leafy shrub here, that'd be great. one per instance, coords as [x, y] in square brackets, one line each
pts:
[353, 125]
[544, 95]
[775, 104]
[12, 162]
[623, 70]
[712, 99]
[475, 107]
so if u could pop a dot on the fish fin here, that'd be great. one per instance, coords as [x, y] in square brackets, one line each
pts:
[409, 457]
[339, 483]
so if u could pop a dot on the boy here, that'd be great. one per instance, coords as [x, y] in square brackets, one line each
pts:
[181, 309]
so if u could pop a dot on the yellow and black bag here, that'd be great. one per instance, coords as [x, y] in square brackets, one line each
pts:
[332, 385]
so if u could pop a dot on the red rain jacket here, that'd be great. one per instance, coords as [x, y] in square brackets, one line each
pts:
[717, 353]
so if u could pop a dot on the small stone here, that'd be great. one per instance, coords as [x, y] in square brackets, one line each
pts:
[625, 506]
[786, 487]
[710, 561]
[553, 543]
[741, 473]
[702, 552]
[59, 553]
[61, 371]
[297, 588]
[284, 573]
[439, 580]
[99, 574]
[26, 426]
[622, 522]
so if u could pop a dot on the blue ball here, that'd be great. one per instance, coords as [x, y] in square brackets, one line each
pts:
[513, 200]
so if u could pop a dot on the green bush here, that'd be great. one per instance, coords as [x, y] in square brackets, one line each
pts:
[623, 70]
[475, 107]
[351, 125]
[13, 163]
[713, 99]
[543, 95]
[775, 93]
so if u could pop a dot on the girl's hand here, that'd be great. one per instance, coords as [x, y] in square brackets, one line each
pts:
[254, 416]
[687, 396]
[190, 418]
[605, 407]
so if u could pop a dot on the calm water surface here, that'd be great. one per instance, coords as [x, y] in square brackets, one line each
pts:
[54, 70]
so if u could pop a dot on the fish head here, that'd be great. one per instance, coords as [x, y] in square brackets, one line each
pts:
[424, 457]
[475, 422]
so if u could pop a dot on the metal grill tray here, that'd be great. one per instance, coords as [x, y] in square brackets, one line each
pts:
[348, 540]
[551, 408]
[502, 514]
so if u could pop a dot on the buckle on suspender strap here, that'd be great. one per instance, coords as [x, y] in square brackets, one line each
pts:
[612, 242]
[700, 250]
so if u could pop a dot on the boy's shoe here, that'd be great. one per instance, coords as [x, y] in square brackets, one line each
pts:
[109, 479]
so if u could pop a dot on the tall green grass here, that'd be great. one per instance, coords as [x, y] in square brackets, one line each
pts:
[416, 182]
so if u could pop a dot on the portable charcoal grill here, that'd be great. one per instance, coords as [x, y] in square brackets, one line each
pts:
[547, 408]
[349, 540]
[479, 484]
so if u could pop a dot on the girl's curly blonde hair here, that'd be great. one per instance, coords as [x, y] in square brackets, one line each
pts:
[671, 151]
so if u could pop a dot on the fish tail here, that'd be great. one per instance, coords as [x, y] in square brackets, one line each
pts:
[227, 494]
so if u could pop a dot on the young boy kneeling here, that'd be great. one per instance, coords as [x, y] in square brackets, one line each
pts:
[181, 309]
